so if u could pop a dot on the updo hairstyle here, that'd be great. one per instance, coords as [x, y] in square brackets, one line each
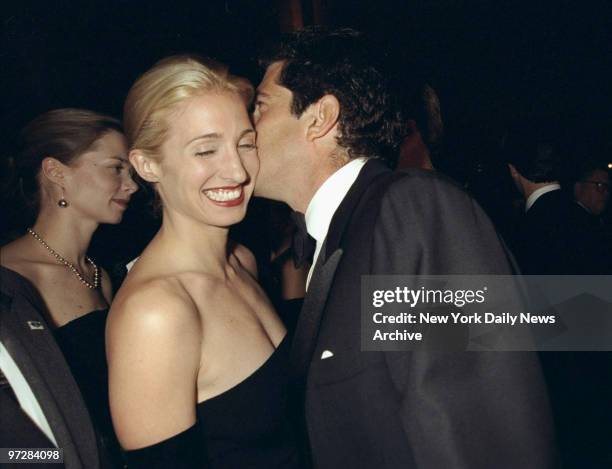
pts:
[63, 134]
[168, 83]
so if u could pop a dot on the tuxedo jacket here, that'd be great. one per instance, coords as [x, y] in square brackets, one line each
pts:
[27, 337]
[407, 410]
[558, 237]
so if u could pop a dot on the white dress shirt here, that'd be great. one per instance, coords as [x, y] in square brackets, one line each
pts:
[326, 201]
[25, 396]
[535, 195]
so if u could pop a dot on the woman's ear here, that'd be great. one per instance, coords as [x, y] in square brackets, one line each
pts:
[146, 167]
[324, 116]
[54, 171]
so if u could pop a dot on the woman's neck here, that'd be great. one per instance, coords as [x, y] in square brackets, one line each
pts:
[196, 245]
[67, 235]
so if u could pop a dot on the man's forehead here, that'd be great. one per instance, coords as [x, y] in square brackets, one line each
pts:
[270, 78]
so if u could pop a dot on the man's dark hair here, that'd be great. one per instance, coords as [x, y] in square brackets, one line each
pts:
[422, 105]
[585, 168]
[316, 62]
[534, 155]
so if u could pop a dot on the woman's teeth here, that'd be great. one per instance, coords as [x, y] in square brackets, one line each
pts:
[223, 195]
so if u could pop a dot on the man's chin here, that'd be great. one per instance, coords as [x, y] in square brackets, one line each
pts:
[260, 191]
[268, 191]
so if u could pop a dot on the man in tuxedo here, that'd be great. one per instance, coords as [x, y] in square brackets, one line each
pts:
[543, 233]
[555, 235]
[592, 189]
[592, 194]
[40, 403]
[326, 122]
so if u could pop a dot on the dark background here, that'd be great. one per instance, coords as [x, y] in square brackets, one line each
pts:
[493, 63]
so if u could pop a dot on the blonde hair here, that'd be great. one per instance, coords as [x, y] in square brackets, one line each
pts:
[168, 83]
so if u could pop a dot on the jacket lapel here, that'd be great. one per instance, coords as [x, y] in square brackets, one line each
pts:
[310, 316]
[340, 222]
[309, 321]
[26, 336]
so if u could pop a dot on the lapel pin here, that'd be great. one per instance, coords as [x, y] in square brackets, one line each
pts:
[326, 354]
[36, 325]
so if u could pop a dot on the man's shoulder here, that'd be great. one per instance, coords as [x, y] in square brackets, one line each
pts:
[557, 198]
[421, 179]
[15, 288]
[553, 207]
[424, 187]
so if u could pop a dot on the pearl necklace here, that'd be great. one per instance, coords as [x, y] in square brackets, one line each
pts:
[70, 265]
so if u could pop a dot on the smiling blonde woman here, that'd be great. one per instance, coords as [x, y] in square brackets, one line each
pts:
[197, 356]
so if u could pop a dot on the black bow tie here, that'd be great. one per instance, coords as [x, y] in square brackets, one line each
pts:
[303, 244]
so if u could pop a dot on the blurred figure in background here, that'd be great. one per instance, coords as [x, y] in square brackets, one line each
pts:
[421, 146]
[554, 237]
[75, 174]
[592, 195]
[592, 189]
[268, 231]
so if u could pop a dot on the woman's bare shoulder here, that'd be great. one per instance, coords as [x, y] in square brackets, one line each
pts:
[156, 304]
[153, 344]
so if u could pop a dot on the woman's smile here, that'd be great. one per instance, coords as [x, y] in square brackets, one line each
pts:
[226, 196]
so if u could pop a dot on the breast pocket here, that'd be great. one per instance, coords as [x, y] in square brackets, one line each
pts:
[332, 364]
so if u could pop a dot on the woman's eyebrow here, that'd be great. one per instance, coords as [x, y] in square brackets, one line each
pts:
[210, 136]
[120, 158]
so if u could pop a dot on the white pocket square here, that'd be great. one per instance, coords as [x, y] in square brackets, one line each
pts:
[326, 354]
[35, 325]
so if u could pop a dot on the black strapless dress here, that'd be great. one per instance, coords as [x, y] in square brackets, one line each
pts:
[249, 426]
[82, 343]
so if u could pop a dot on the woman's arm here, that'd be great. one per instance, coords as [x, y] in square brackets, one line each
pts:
[153, 349]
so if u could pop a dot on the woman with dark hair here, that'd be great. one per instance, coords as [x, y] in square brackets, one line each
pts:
[75, 173]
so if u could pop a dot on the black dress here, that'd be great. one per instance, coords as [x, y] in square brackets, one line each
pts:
[249, 426]
[82, 343]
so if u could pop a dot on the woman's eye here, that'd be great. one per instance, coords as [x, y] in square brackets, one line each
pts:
[248, 146]
[205, 153]
[117, 169]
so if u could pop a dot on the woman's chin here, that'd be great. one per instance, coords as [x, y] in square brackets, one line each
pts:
[228, 219]
[114, 219]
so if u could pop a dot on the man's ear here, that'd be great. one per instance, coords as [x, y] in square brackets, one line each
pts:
[54, 170]
[324, 116]
[146, 167]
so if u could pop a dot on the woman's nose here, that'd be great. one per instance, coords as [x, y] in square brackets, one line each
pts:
[129, 184]
[233, 169]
